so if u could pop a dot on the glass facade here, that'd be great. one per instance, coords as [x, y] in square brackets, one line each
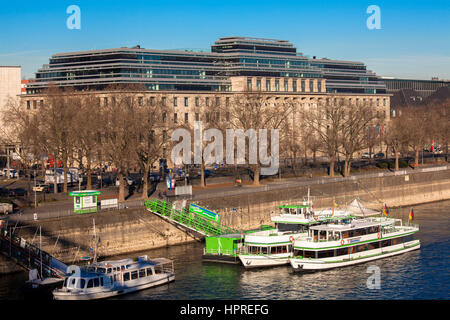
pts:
[202, 71]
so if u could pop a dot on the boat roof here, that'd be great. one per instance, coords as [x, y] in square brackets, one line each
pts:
[344, 227]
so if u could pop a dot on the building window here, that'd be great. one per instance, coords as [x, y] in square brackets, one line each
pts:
[152, 101]
[217, 101]
[207, 101]
[41, 103]
[319, 86]
[28, 104]
[105, 101]
[268, 85]
[378, 102]
[140, 101]
[227, 116]
[175, 118]
[227, 101]
[163, 101]
[277, 85]
[175, 101]
[197, 117]
[249, 84]
[197, 103]
[186, 101]
[303, 85]
[186, 117]
[384, 102]
[258, 84]
[35, 104]
[311, 86]
[294, 85]
[164, 116]
[286, 85]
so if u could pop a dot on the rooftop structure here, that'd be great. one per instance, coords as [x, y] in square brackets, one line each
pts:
[201, 71]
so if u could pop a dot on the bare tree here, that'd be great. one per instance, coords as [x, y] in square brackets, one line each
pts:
[255, 111]
[118, 143]
[358, 118]
[326, 119]
[152, 125]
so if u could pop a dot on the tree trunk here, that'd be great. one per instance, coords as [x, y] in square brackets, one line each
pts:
[256, 171]
[89, 178]
[416, 158]
[202, 175]
[332, 161]
[396, 160]
[121, 187]
[65, 175]
[145, 181]
[347, 165]
[55, 175]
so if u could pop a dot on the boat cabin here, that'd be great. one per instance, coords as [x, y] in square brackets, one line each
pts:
[338, 231]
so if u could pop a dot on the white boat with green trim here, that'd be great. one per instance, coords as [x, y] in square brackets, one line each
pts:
[273, 247]
[362, 240]
[111, 278]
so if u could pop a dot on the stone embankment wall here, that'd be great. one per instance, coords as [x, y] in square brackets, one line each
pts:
[133, 230]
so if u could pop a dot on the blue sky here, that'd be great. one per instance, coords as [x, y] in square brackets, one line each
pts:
[413, 42]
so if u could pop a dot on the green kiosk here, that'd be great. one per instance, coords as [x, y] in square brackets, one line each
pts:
[84, 201]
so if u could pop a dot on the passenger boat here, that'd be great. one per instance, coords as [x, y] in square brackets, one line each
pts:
[362, 240]
[112, 278]
[273, 247]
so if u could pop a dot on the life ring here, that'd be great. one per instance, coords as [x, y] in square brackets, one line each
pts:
[342, 242]
[315, 218]
[291, 239]
[379, 235]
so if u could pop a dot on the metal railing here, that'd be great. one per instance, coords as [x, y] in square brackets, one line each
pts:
[188, 219]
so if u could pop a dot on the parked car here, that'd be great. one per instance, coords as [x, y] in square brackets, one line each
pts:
[130, 182]
[366, 155]
[379, 155]
[17, 192]
[41, 187]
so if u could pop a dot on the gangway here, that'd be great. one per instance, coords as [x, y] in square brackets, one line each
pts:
[28, 256]
[185, 220]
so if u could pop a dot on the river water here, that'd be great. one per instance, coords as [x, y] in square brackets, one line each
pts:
[420, 274]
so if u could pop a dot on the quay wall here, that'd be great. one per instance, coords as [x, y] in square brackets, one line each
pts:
[133, 230]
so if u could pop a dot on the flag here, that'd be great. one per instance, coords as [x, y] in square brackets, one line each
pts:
[385, 210]
[411, 215]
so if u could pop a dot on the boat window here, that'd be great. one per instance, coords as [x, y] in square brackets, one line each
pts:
[157, 270]
[298, 252]
[141, 273]
[149, 272]
[386, 243]
[316, 234]
[345, 234]
[322, 235]
[109, 270]
[374, 245]
[362, 247]
[81, 284]
[90, 283]
[72, 282]
[101, 270]
[309, 254]
[264, 250]
[96, 282]
[126, 276]
[341, 251]
[65, 282]
[325, 254]
[134, 275]
[278, 249]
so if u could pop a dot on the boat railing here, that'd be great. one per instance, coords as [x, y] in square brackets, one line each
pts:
[220, 251]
